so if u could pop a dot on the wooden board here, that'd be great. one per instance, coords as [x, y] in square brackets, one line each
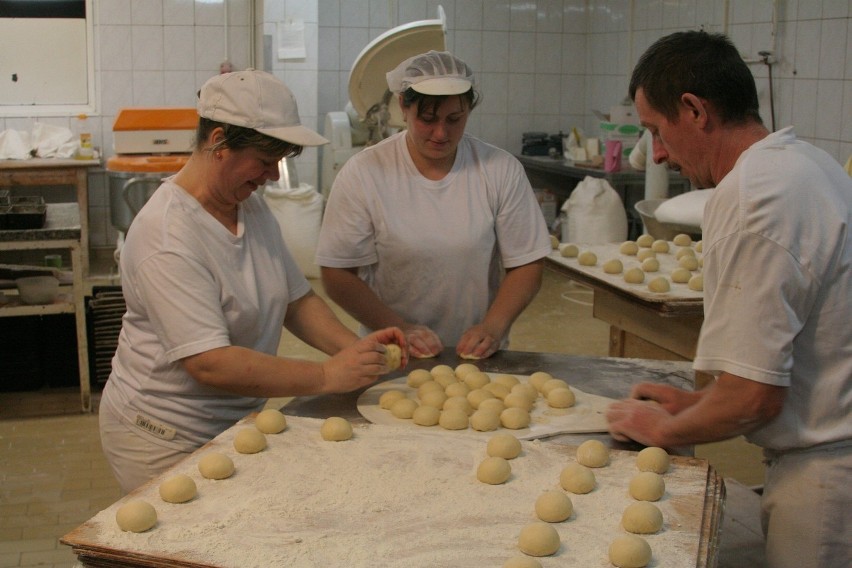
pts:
[393, 497]
[586, 416]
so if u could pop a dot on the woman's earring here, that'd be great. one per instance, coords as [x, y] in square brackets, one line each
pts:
[218, 154]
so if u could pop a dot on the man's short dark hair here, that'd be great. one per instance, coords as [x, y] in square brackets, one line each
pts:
[704, 64]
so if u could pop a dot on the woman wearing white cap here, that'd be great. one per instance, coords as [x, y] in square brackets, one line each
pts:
[209, 284]
[433, 230]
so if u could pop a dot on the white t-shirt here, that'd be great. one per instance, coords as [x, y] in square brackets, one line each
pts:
[778, 286]
[433, 251]
[191, 286]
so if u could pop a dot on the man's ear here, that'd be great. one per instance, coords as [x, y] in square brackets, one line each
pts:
[695, 107]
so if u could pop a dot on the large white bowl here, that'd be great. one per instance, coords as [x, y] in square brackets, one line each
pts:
[38, 289]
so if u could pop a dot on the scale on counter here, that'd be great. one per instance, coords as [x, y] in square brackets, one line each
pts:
[371, 114]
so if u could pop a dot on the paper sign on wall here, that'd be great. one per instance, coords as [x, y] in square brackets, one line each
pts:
[291, 40]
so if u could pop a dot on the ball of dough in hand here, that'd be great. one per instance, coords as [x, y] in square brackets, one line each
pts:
[569, 251]
[645, 241]
[484, 420]
[653, 459]
[593, 453]
[613, 266]
[647, 486]
[522, 562]
[629, 551]
[503, 446]
[393, 356]
[587, 258]
[629, 248]
[553, 506]
[389, 397]
[404, 408]
[336, 429]
[271, 421]
[634, 275]
[249, 441]
[515, 418]
[538, 539]
[493, 470]
[642, 517]
[426, 416]
[577, 479]
[216, 466]
[136, 516]
[561, 398]
[659, 285]
[453, 419]
[179, 488]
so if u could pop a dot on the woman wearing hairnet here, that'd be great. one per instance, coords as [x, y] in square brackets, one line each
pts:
[432, 230]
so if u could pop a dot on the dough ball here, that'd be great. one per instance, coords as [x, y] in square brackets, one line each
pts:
[476, 396]
[629, 248]
[538, 539]
[569, 251]
[497, 389]
[653, 459]
[629, 551]
[476, 380]
[179, 488]
[553, 384]
[634, 275]
[404, 408]
[470, 356]
[442, 369]
[510, 381]
[425, 416]
[519, 400]
[553, 506]
[271, 421]
[561, 398]
[417, 377]
[645, 241]
[660, 246]
[538, 379]
[682, 240]
[696, 283]
[688, 262]
[613, 266]
[485, 420]
[216, 466]
[522, 562]
[642, 517]
[453, 419]
[429, 386]
[457, 389]
[685, 251]
[647, 486]
[136, 516]
[681, 275]
[458, 403]
[699, 246]
[337, 429]
[393, 356]
[659, 285]
[593, 453]
[645, 254]
[445, 380]
[577, 479]
[249, 441]
[389, 397]
[493, 405]
[554, 242]
[503, 446]
[463, 369]
[527, 388]
[650, 265]
[587, 258]
[435, 398]
[493, 470]
[515, 418]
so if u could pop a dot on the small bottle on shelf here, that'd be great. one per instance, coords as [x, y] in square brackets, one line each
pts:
[85, 151]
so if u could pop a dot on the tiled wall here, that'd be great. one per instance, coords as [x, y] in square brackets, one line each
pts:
[541, 64]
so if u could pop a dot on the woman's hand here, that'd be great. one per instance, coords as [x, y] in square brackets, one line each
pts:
[361, 363]
[478, 342]
[422, 341]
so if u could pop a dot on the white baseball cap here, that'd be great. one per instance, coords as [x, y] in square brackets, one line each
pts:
[258, 100]
[432, 73]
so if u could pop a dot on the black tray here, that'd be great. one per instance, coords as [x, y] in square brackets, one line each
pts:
[19, 217]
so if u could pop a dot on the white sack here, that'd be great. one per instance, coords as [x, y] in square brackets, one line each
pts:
[14, 145]
[299, 214]
[684, 209]
[595, 213]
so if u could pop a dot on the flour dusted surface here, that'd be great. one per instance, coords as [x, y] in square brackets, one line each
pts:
[392, 497]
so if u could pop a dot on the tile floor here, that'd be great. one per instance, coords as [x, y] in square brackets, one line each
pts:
[53, 476]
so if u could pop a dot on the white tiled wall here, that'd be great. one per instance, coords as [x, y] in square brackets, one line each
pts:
[541, 64]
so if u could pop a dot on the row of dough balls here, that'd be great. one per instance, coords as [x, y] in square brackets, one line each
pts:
[540, 538]
[456, 399]
[646, 254]
[139, 516]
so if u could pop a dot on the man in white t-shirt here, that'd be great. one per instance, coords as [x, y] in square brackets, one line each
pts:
[778, 296]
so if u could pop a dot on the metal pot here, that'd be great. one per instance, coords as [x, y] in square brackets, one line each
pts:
[128, 192]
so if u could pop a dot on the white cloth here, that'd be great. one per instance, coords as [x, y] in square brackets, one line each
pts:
[191, 286]
[44, 141]
[433, 251]
[684, 209]
[778, 286]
